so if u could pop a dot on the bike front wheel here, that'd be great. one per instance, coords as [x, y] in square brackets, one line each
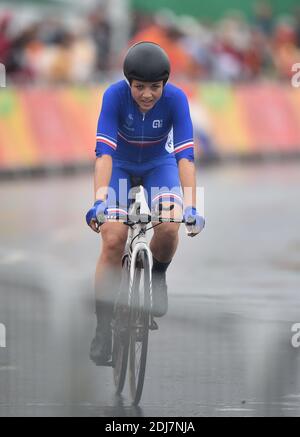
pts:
[139, 325]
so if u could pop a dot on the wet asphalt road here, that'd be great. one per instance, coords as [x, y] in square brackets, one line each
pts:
[225, 346]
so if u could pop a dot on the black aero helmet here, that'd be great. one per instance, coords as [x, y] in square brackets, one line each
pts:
[147, 62]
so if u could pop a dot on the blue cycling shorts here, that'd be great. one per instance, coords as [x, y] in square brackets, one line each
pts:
[159, 178]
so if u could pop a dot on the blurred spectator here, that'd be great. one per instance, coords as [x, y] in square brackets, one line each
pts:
[263, 17]
[297, 25]
[84, 58]
[285, 50]
[76, 48]
[55, 49]
[140, 21]
[18, 67]
[5, 43]
[232, 39]
[100, 32]
[258, 56]
[197, 41]
[165, 32]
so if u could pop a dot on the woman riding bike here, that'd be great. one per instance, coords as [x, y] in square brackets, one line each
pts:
[144, 133]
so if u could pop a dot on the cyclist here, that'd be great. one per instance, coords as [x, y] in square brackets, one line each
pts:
[144, 131]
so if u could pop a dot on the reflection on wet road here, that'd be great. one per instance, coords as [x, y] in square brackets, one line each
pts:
[224, 347]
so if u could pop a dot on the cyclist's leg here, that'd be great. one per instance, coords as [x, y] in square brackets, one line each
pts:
[114, 236]
[164, 195]
[108, 271]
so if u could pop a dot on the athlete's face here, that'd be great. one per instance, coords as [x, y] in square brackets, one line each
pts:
[146, 94]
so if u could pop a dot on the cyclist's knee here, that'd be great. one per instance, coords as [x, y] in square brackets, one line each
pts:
[114, 238]
[167, 231]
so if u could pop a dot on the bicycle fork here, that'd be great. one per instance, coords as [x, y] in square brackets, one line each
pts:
[136, 261]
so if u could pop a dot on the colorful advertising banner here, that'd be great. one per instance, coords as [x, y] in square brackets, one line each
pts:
[46, 127]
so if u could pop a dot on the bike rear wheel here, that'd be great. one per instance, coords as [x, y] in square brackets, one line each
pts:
[139, 326]
[121, 331]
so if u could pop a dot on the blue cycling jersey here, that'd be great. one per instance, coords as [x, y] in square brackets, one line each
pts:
[127, 134]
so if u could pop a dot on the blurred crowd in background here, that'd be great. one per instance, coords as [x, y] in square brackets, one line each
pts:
[77, 48]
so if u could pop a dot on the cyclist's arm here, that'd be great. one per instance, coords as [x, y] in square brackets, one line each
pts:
[187, 175]
[182, 128]
[184, 147]
[103, 170]
[106, 143]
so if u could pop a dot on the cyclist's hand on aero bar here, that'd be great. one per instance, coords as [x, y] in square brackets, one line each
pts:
[96, 216]
[194, 222]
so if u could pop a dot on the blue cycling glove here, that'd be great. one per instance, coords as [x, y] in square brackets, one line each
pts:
[96, 216]
[194, 222]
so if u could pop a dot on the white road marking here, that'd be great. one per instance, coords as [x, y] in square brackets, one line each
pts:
[13, 258]
[292, 396]
[235, 409]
